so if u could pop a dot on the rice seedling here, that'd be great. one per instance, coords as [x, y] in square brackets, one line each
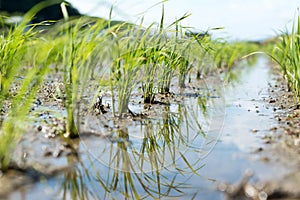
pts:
[162, 56]
[173, 58]
[77, 68]
[287, 55]
[184, 67]
[198, 53]
[185, 47]
[139, 54]
[126, 66]
[223, 53]
[14, 123]
[153, 55]
[13, 46]
[126, 73]
[159, 60]
[150, 69]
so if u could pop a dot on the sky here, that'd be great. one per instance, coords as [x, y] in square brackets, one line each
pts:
[241, 19]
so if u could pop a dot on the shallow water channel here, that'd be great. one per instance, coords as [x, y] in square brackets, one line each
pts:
[185, 152]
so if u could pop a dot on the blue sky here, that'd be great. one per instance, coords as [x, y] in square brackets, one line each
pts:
[242, 19]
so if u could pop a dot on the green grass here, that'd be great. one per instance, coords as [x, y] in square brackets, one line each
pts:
[76, 70]
[287, 55]
[15, 75]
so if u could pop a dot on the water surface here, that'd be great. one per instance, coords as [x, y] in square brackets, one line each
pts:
[185, 153]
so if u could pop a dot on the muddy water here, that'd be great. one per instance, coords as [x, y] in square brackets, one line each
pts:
[185, 150]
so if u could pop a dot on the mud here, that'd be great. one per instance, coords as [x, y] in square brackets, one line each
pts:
[251, 150]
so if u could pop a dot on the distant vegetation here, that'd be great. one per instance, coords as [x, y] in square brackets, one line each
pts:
[53, 12]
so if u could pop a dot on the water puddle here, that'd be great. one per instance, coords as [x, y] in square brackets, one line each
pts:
[186, 151]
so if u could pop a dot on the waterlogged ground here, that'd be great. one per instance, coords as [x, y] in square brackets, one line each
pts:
[212, 140]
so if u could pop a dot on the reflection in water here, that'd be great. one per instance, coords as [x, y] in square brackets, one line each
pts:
[149, 157]
[127, 181]
[146, 157]
[142, 157]
[74, 182]
[73, 186]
